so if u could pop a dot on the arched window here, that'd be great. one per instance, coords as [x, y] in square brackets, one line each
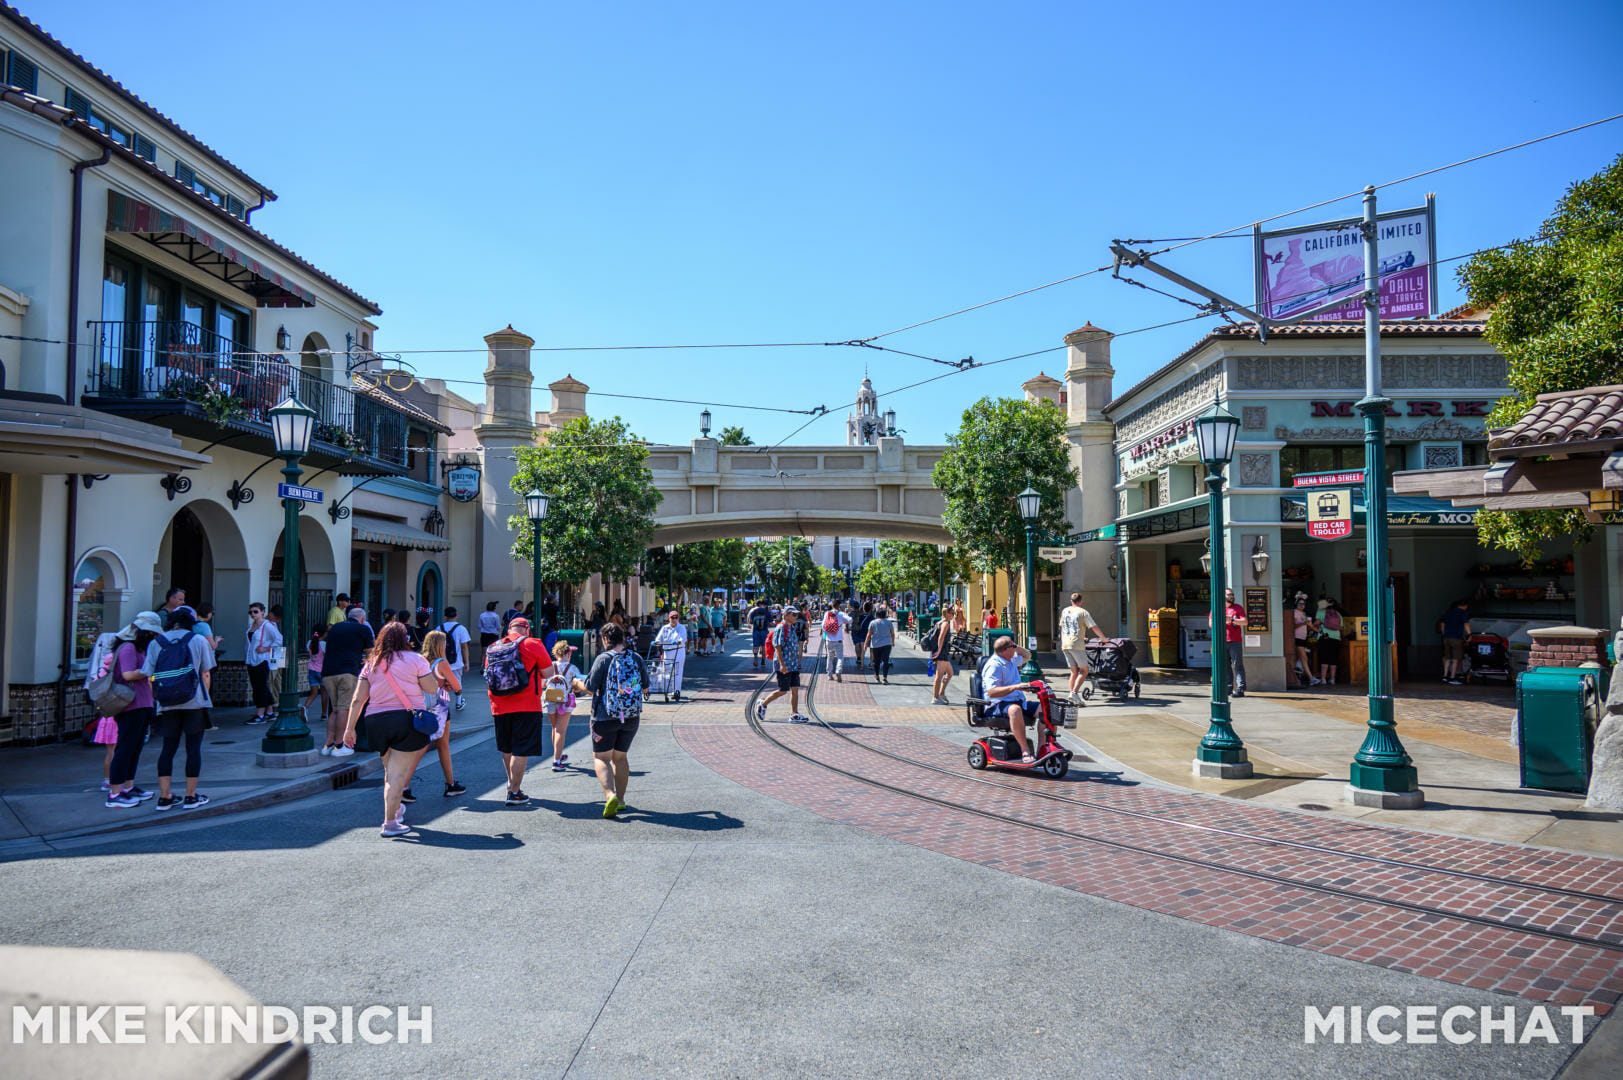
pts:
[92, 585]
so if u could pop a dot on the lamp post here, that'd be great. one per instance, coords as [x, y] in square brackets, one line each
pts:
[1221, 752]
[536, 504]
[291, 424]
[670, 578]
[704, 423]
[791, 597]
[941, 591]
[1031, 505]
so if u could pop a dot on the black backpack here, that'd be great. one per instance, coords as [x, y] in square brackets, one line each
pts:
[174, 682]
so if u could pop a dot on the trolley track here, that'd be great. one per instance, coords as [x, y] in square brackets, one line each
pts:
[1613, 905]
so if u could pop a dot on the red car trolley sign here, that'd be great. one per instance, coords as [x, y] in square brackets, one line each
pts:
[1329, 513]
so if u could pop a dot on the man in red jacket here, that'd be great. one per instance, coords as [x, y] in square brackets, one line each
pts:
[517, 717]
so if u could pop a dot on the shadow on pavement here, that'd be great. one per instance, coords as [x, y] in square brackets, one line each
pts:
[691, 820]
[460, 841]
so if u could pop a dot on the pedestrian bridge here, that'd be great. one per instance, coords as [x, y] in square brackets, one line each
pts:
[711, 492]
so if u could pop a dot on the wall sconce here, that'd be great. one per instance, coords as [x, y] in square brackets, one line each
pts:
[1259, 560]
[1114, 568]
[284, 341]
[1206, 559]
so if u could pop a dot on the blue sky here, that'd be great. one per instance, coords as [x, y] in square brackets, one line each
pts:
[651, 173]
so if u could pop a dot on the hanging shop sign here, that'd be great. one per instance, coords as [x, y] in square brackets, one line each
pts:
[462, 483]
[1300, 269]
[1056, 554]
[1257, 610]
[1330, 514]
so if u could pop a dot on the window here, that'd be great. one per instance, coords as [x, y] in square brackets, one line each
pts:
[417, 439]
[19, 72]
[1331, 457]
[1474, 453]
[103, 123]
[90, 612]
[229, 203]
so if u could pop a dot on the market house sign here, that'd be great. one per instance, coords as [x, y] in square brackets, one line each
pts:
[1173, 434]
[1416, 408]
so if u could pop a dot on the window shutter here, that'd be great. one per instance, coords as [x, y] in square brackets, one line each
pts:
[78, 103]
[184, 173]
[22, 74]
[233, 205]
[145, 147]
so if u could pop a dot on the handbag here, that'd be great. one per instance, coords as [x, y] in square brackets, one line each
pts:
[424, 720]
[109, 694]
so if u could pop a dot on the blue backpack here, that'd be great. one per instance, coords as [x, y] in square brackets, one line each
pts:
[622, 687]
[174, 682]
[505, 672]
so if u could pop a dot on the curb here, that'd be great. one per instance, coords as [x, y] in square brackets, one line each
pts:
[286, 791]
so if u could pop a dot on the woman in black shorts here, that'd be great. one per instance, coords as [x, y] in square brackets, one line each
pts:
[396, 680]
[612, 733]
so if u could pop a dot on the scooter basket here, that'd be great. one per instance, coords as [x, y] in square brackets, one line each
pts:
[1064, 713]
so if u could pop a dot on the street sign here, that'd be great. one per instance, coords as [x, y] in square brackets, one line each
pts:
[1031, 643]
[1330, 514]
[1327, 479]
[1056, 554]
[302, 494]
[1103, 532]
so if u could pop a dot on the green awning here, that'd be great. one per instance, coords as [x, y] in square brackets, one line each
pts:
[1401, 510]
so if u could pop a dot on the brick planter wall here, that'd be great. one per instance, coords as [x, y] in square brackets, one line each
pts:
[1567, 646]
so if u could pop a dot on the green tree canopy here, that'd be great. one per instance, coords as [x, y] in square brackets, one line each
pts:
[873, 579]
[776, 556]
[1002, 445]
[705, 564]
[1557, 317]
[913, 565]
[734, 436]
[602, 512]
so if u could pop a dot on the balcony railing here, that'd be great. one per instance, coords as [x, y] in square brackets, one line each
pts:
[153, 362]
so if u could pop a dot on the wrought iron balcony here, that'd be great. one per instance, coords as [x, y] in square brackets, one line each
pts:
[207, 387]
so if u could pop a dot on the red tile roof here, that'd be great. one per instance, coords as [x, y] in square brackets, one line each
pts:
[1594, 414]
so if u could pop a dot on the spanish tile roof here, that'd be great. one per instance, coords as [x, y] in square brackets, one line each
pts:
[1328, 329]
[382, 393]
[110, 83]
[1594, 414]
[68, 119]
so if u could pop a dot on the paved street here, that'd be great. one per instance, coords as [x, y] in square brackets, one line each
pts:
[717, 930]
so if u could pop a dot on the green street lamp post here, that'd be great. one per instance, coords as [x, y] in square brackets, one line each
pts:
[1221, 752]
[670, 577]
[791, 597]
[536, 504]
[941, 590]
[291, 424]
[1031, 504]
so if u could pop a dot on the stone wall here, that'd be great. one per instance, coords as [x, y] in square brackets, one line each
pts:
[1567, 646]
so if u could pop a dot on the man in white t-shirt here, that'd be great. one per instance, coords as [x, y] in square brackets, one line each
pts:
[456, 648]
[834, 623]
[1072, 622]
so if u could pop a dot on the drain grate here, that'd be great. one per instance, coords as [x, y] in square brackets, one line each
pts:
[345, 778]
[1311, 806]
[221, 742]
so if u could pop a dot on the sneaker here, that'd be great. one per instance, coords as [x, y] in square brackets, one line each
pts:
[121, 800]
[453, 790]
[798, 719]
[564, 760]
[325, 750]
[192, 802]
[407, 797]
[612, 807]
[461, 703]
[394, 828]
[558, 766]
[342, 751]
[517, 798]
[105, 786]
[760, 712]
[165, 804]
[140, 794]
[259, 720]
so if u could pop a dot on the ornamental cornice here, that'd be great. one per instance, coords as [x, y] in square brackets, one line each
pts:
[1439, 430]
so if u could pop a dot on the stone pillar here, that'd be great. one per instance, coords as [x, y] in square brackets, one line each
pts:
[1566, 646]
[568, 401]
[506, 423]
[1606, 764]
[1089, 388]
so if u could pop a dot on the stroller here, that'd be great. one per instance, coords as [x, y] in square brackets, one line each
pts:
[1487, 657]
[1110, 668]
[661, 670]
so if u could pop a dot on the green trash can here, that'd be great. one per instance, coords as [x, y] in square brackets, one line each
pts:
[1559, 709]
[990, 638]
[585, 643]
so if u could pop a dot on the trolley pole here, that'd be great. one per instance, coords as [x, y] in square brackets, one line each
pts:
[1381, 774]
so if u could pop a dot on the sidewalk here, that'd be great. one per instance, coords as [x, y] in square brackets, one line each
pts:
[1301, 744]
[54, 792]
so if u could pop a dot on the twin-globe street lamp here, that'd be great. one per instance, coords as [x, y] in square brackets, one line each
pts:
[536, 504]
[670, 578]
[1031, 505]
[941, 592]
[291, 424]
[1221, 752]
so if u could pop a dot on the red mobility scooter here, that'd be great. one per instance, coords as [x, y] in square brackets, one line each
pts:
[999, 749]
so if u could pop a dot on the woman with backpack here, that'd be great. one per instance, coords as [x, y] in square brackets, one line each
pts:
[940, 655]
[615, 683]
[859, 631]
[396, 682]
[1329, 643]
[133, 721]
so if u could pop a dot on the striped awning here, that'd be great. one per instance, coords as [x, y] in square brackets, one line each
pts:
[205, 251]
[394, 534]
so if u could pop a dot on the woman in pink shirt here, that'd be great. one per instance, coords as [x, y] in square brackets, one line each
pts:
[395, 681]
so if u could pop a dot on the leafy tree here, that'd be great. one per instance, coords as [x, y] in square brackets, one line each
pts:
[874, 578]
[913, 565]
[705, 564]
[825, 581]
[602, 512]
[1001, 446]
[1557, 317]
[776, 553]
[734, 436]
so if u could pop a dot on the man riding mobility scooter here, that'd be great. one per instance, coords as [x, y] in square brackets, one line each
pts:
[996, 702]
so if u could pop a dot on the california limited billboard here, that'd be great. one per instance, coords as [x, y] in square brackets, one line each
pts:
[1299, 269]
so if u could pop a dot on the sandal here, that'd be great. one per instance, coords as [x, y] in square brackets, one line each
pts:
[1028, 760]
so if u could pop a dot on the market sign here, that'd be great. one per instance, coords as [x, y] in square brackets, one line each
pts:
[462, 483]
[1327, 479]
[1330, 513]
[1175, 433]
[1300, 269]
[1477, 407]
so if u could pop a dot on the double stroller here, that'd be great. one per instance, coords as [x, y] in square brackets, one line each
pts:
[1110, 668]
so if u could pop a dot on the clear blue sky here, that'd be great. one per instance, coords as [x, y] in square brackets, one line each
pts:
[615, 173]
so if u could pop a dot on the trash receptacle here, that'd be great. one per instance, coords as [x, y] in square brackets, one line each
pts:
[1559, 709]
[989, 639]
[585, 643]
[1163, 634]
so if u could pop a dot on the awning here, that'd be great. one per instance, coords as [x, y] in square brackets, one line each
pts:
[394, 534]
[205, 251]
[1421, 510]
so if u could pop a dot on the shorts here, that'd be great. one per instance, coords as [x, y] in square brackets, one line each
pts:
[340, 689]
[613, 734]
[487, 640]
[758, 638]
[1076, 658]
[393, 730]
[787, 679]
[1002, 705]
[1453, 648]
[518, 733]
[859, 636]
[173, 723]
[1329, 651]
[704, 633]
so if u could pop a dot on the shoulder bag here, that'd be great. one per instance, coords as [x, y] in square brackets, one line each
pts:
[424, 720]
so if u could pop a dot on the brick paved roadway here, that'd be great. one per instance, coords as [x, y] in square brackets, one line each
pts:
[1502, 959]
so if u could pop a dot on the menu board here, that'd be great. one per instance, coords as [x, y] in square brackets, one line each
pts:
[1257, 610]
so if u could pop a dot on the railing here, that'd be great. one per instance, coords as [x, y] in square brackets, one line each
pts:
[313, 607]
[147, 361]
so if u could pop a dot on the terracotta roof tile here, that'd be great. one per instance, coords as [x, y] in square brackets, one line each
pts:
[1593, 414]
